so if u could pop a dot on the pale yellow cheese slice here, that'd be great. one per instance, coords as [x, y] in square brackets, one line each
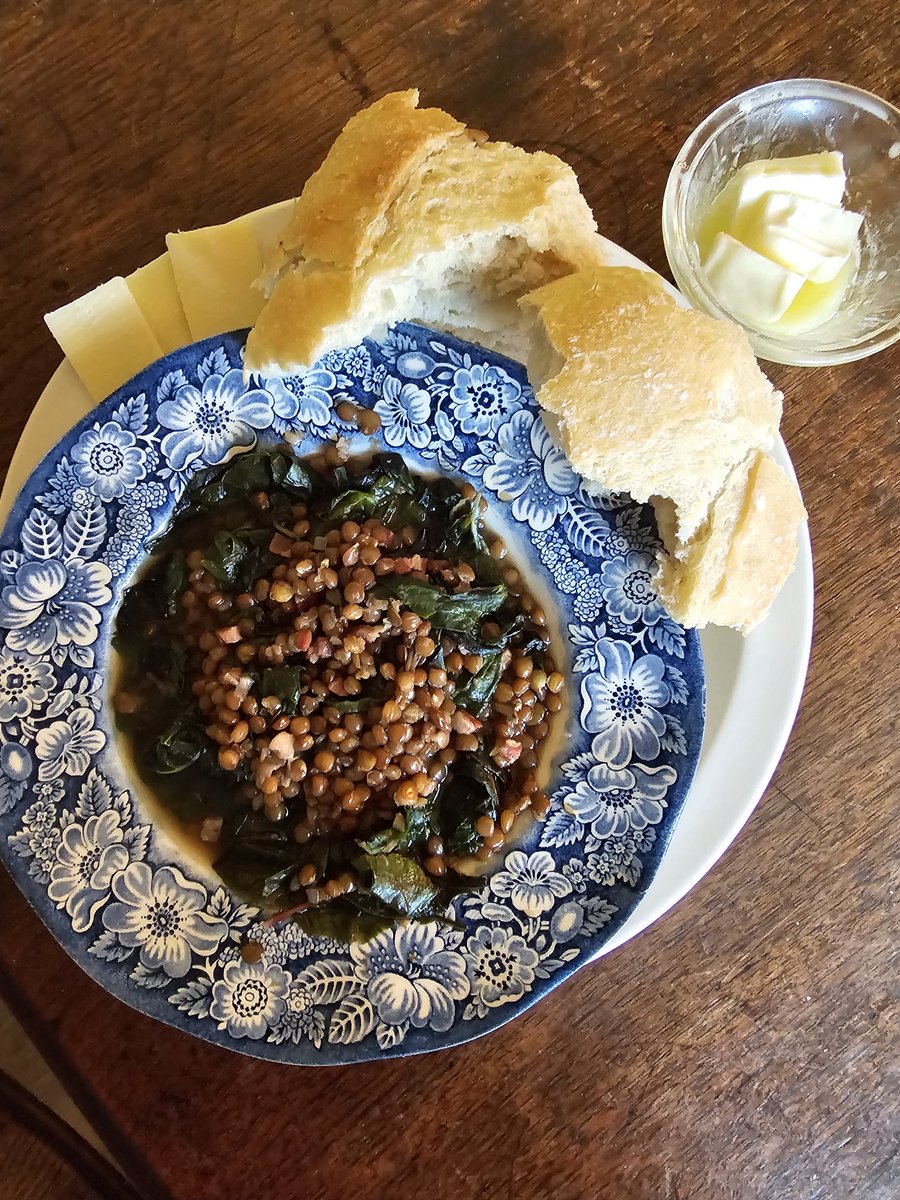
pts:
[105, 337]
[215, 271]
[203, 285]
[154, 289]
[216, 268]
[269, 224]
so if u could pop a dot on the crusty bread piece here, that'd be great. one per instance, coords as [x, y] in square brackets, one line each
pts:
[340, 214]
[412, 217]
[732, 569]
[652, 398]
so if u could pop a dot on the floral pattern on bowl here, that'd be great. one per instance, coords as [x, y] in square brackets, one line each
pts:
[159, 930]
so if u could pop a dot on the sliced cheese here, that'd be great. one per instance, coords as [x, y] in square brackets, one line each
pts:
[215, 271]
[154, 289]
[269, 224]
[749, 285]
[203, 285]
[105, 337]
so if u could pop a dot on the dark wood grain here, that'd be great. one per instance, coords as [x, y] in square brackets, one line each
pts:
[747, 1046]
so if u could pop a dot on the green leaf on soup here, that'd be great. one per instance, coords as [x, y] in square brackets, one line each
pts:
[387, 491]
[287, 683]
[469, 794]
[476, 692]
[342, 921]
[513, 627]
[352, 704]
[411, 828]
[226, 554]
[382, 842]
[243, 475]
[461, 612]
[290, 473]
[260, 858]
[462, 536]
[180, 746]
[176, 581]
[399, 882]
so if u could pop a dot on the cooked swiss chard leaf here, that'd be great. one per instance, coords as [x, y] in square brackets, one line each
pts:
[382, 842]
[463, 533]
[476, 692]
[238, 556]
[225, 554]
[399, 882]
[387, 491]
[261, 857]
[257, 471]
[513, 626]
[166, 661]
[353, 503]
[353, 704]
[342, 921]
[361, 916]
[286, 684]
[469, 794]
[182, 744]
[176, 581]
[290, 473]
[255, 877]
[389, 466]
[411, 829]
[461, 612]
[419, 824]
[142, 606]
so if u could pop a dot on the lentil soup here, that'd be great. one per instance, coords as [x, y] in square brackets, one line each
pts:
[333, 675]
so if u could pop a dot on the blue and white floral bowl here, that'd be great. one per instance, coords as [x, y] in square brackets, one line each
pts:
[158, 929]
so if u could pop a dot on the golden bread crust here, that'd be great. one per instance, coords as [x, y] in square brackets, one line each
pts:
[429, 220]
[328, 293]
[653, 399]
[731, 572]
[339, 215]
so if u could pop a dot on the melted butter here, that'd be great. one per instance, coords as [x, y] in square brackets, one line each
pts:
[815, 303]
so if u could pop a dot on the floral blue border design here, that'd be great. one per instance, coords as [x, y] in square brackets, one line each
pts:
[160, 933]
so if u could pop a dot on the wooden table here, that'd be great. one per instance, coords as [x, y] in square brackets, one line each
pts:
[747, 1045]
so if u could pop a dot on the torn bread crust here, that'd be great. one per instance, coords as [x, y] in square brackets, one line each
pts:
[731, 570]
[651, 398]
[414, 217]
[451, 235]
[340, 214]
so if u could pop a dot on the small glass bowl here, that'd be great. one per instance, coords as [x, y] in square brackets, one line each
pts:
[800, 116]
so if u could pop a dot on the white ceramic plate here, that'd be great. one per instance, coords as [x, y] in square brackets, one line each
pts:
[754, 684]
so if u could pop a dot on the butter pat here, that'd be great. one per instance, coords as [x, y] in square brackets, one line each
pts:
[813, 176]
[779, 225]
[105, 337]
[751, 286]
[805, 235]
